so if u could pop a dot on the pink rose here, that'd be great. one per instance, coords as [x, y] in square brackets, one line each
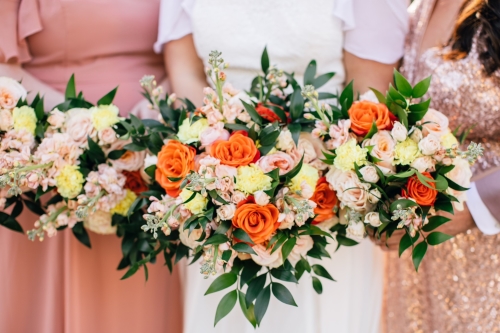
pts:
[130, 161]
[238, 196]
[214, 133]
[434, 122]
[11, 92]
[261, 198]
[79, 126]
[284, 162]
[302, 246]
[383, 148]
[107, 136]
[222, 171]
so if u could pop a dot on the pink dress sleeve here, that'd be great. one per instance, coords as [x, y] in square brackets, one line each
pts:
[175, 21]
[19, 19]
[374, 29]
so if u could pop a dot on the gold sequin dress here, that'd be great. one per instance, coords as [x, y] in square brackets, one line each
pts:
[457, 288]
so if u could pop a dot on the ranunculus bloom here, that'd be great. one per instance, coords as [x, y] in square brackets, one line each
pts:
[175, 160]
[422, 194]
[259, 222]
[267, 113]
[325, 199]
[239, 150]
[364, 113]
[134, 182]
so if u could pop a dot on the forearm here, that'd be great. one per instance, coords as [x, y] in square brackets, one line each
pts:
[185, 69]
[34, 86]
[367, 73]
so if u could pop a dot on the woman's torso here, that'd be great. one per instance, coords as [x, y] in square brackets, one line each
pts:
[294, 31]
[103, 42]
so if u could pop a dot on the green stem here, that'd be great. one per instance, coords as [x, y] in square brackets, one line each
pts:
[34, 167]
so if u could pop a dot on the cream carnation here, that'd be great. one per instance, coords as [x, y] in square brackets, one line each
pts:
[11, 92]
[124, 205]
[100, 223]
[24, 118]
[197, 205]
[190, 132]
[348, 154]
[449, 140]
[104, 116]
[69, 182]
[251, 179]
[406, 152]
[307, 174]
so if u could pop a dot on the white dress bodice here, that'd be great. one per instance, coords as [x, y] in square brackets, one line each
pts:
[292, 41]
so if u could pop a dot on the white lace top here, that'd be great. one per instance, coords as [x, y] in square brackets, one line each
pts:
[294, 31]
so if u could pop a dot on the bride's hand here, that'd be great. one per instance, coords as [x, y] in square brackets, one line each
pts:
[142, 110]
[460, 222]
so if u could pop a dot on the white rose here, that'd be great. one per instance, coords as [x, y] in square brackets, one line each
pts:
[383, 148]
[416, 134]
[6, 121]
[369, 173]
[355, 230]
[461, 174]
[238, 196]
[100, 223]
[261, 198]
[302, 246]
[350, 190]
[373, 219]
[374, 196]
[423, 164]
[399, 132]
[434, 122]
[285, 140]
[11, 92]
[130, 161]
[79, 125]
[190, 240]
[429, 145]
[226, 212]
[107, 136]
[265, 258]
[56, 118]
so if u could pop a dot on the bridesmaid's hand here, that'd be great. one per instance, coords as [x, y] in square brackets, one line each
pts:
[460, 222]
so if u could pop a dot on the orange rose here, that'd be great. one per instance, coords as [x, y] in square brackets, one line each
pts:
[325, 199]
[423, 195]
[259, 222]
[364, 113]
[239, 150]
[134, 182]
[175, 160]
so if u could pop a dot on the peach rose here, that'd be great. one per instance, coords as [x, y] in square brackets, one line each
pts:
[79, 125]
[383, 148]
[130, 161]
[107, 136]
[11, 92]
[259, 222]
[422, 194]
[175, 160]
[325, 199]
[434, 122]
[364, 113]
[284, 162]
[265, 258]
[302, 246]
[239, 150]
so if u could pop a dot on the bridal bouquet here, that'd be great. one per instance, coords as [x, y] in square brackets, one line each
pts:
[73, 155]
[394, 163]
[240, 187]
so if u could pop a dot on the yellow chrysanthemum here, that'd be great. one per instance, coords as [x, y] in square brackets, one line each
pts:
[104, 116]
[348, 154]
[69, 182]
[124, 205]
[197, 205]
[251, 179]
[406, 152]
[24, 118]
[448, 140]
[307, 173]
[190, 132]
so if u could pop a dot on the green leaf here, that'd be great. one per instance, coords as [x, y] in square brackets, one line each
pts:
[264, 61]
[250, 270]
[379, 95]
[295, 171]
[345, 241]
[295, 130]
[301, 266]
[297, 104]
[216, 239]
[222, 282]
[421, 88]
[322, 80]
[310, 73]
[321, 271]
[283, 275]
[434, 222]
[454, 185]
[243, 248]
[39, 110]
[108, 98]
[18, 209]
[255, 287]
[437, 237]
[403, 86]
[372, 131]
[225, 306]
[242, 235]
[282, 294]
[279, 242]
[34, 207]
[418, 254]
[249, 311]
[70, 88]
[400, 113]
[318, 287]
[10, 222]
[288, 247]
[443, 203]
[268, 139]
[425, 181]
[223, 227]
[262, 303]
[116, 154]
[252, 112]
[441, 183]
[346, 98]
[406, 241]
[81, 234]
[131, 271]
[95, 152]
[404, 203]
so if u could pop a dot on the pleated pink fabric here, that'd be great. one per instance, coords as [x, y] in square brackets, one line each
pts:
[59, 285]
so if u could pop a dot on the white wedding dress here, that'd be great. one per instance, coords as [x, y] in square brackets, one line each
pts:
[294, 31]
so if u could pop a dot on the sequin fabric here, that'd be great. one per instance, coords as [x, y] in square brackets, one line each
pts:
[457, 288]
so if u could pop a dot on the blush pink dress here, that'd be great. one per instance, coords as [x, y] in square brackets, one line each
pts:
[60, 285]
